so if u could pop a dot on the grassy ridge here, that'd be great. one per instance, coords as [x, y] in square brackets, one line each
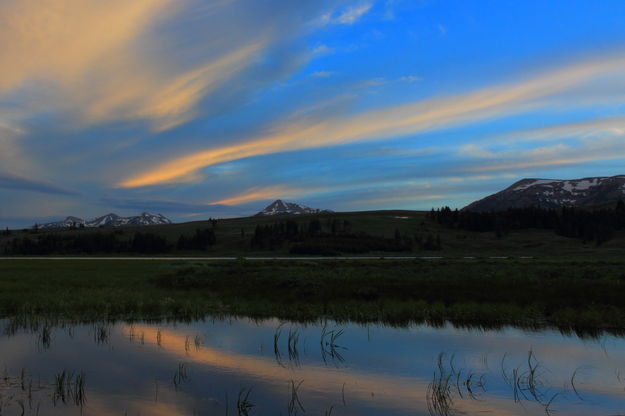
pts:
[571, 295]
[233, 236]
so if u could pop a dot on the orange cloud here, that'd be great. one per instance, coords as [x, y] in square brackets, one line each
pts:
[394, 392]
[429, 114]
[256, 194]
[63, 39]
[171, 101]
[591, 149]
[107, 62]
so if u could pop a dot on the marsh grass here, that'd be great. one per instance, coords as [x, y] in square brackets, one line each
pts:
[69, 388]
[476, 293]
[527, 382]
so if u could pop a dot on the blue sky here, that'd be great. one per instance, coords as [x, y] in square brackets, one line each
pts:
[199, 109]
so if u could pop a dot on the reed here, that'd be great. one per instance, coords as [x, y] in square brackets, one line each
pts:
[439, 398]
[101, 334]
[293, 340]
[329, 346]
[295, 405]
[180, 375]
[244, 405]
[69, 388]
[276, 345]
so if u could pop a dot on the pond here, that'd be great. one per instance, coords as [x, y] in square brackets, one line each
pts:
[247, 367]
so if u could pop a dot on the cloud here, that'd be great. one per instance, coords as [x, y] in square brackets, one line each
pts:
[322, 74]
[578, 129]
[411, 78]
[475, 151]
[586, 150]
[353, 14]
[263, 193]
[174, 102]
[12, 156]
[65, 38]
[348, 16]
[80, 50]
[157, 205]
[321, 50]
[154, 61]
[392, 391]
[424, 115]
[17, 183]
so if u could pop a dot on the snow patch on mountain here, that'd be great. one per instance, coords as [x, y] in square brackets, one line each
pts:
[109, 220]
[280, 207]
[533, 182]
[554, 193]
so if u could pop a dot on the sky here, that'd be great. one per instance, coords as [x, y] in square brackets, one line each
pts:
[198, 109]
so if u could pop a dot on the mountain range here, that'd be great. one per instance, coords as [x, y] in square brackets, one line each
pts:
[554, 193]
[279, 207]
[109, 220]
[544, 193]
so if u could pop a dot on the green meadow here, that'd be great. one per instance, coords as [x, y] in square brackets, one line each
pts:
[572, 295]
[546, 279]
[233, 237]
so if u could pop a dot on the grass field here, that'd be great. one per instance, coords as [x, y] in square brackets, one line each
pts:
[233, 236]
[572, 295]
[567, 283]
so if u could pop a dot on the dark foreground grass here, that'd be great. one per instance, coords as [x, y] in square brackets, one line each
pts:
[583, 295]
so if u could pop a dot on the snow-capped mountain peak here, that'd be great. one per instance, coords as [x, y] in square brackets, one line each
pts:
[554, 193]
[280, 207]
[109, 220]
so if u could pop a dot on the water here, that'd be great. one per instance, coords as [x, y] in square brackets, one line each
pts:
[240, 366]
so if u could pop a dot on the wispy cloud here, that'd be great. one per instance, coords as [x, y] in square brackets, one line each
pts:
[69, 45]
[108, 61]
[347, 16]
[585, 150]
[425, 115]
[353, 14]
[411, 78]
[173, 102]
[578, 129]
[17, 183]
[262, 193]
[321, 50]
[322, 74]
[65, 39]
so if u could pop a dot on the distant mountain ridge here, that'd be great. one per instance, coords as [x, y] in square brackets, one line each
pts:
[109, 220]
[554, 193]
[279, 207]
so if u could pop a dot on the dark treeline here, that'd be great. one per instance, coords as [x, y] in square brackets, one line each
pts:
[596, 226]
[333, 237]
[199, 241]
[106, 242]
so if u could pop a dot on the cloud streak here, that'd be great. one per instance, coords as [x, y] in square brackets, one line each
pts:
[107, 61]
[424, 115]
[346, 16]
[262, 193]
[17, 183]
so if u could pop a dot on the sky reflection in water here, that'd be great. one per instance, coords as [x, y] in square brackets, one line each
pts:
[204, 367]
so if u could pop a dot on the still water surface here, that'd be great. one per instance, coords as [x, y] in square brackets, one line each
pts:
[246, 367]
